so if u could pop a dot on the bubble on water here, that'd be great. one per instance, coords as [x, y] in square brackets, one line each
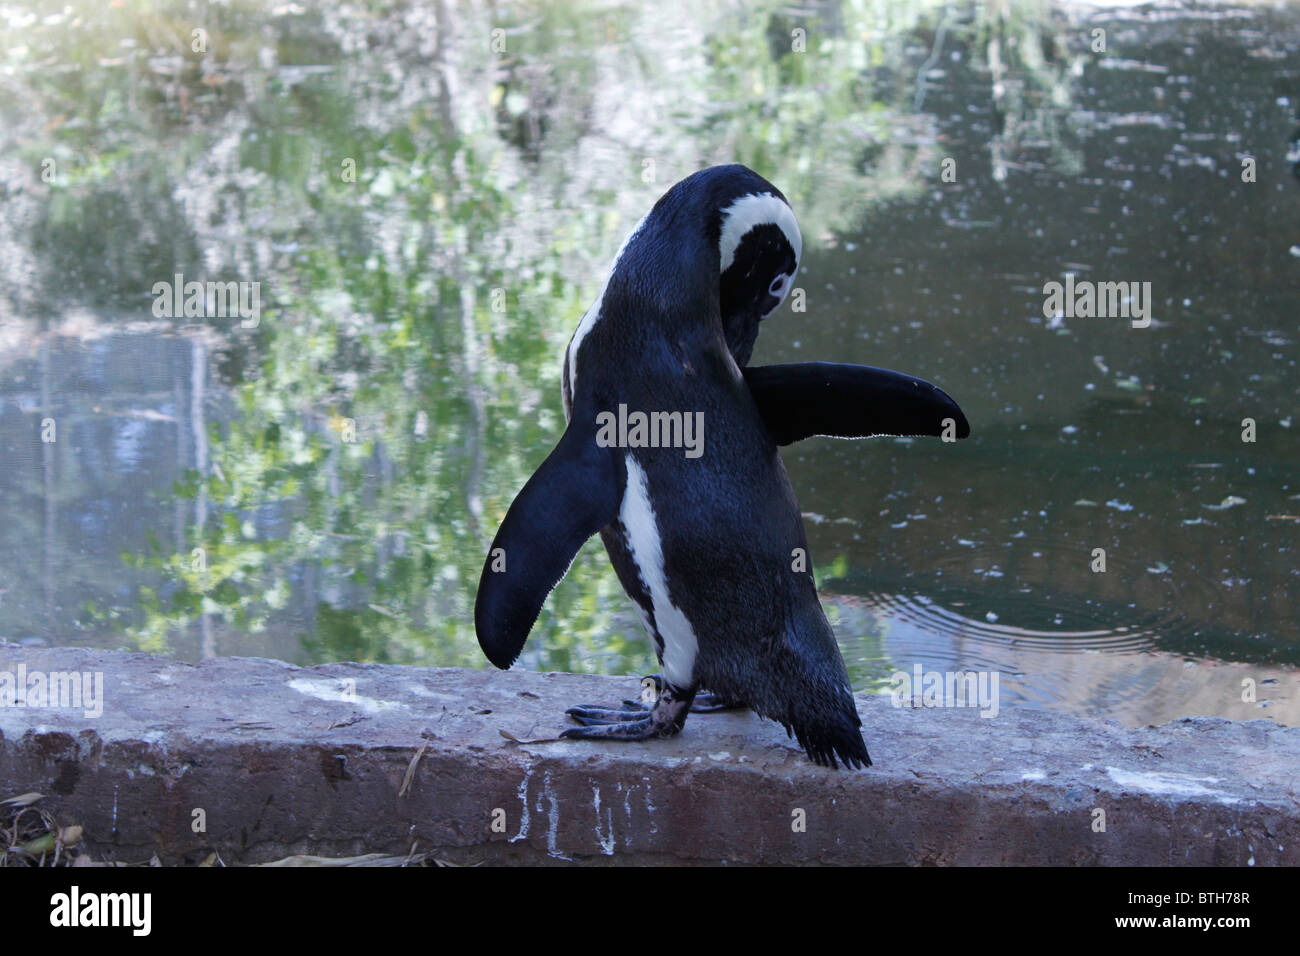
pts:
[1229, 502]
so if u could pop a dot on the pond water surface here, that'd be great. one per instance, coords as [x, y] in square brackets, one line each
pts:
[427, 198]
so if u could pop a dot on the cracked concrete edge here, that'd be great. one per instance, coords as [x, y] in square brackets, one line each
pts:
[277, 760]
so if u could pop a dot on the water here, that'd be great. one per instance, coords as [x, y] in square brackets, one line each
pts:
[428, 207]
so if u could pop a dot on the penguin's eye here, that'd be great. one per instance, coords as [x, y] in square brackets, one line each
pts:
[778, 284]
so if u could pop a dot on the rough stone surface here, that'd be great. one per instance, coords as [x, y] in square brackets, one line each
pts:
[286, 760]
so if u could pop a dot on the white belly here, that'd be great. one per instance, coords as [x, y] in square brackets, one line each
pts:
[638, 518]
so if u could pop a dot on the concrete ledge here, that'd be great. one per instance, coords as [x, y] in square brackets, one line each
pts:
[285, 760]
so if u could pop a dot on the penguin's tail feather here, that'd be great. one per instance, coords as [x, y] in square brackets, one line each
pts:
[815, 702]
[824, 744]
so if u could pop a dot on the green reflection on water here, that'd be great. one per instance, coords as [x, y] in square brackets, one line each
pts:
[428, 216]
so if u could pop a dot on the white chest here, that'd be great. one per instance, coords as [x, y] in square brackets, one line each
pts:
[646, 545]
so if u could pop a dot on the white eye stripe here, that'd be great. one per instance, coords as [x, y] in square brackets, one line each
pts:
[756, 210]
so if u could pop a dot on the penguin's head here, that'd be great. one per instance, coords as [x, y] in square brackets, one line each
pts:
[759, 245]
[730, 210]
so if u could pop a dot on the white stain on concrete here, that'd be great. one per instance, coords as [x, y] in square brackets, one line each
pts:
[650, 807]
[522, 793]
[552, 818]
[1165, 784]
[1033, 775]
[335, 692]
[605, 840]
[419, 690]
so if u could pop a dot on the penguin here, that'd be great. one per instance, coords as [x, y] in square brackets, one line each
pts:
[710, 549]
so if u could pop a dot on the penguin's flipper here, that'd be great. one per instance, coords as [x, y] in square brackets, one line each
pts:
[849, 401]
[575, 493]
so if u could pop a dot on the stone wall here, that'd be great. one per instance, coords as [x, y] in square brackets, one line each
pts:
[277, 760]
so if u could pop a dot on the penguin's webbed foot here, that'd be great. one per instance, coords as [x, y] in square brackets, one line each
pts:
[635, 722]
